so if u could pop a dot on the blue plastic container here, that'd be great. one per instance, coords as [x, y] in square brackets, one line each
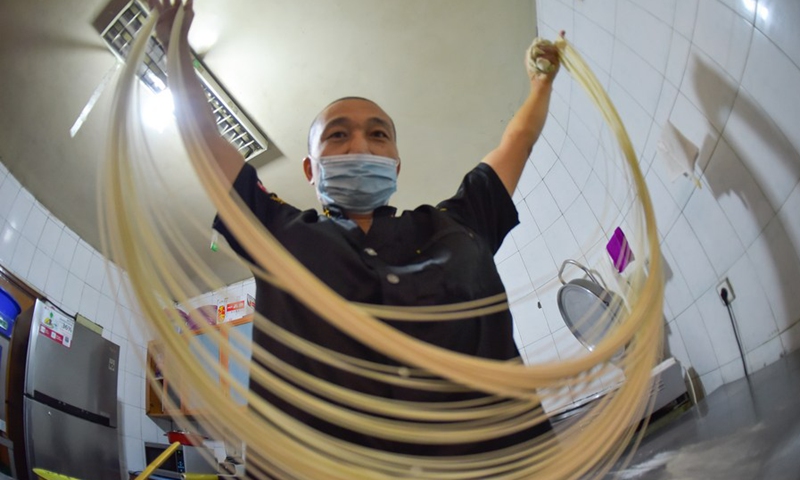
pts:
[9, 309]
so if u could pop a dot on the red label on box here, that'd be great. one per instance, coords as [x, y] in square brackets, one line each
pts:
[53, 335]
[235, 306]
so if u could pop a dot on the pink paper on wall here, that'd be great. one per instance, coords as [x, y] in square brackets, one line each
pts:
[619, 250]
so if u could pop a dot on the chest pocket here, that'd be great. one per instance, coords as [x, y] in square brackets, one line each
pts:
[456, 266]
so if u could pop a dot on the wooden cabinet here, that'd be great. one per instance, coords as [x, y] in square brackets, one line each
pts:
[211, 352]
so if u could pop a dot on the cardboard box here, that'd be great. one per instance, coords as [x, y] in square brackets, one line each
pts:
[234, 308]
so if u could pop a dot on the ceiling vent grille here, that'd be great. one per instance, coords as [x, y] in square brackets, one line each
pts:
[232, 122]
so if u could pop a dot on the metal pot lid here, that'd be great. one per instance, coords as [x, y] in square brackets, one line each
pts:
[588, 309]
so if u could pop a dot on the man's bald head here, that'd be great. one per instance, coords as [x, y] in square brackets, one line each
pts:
[318, 125]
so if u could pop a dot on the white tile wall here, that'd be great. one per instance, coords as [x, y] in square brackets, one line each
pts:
[725, 73]
[38, 248]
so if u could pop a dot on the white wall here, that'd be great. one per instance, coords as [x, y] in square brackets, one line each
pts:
[728, 79]
[39, 249]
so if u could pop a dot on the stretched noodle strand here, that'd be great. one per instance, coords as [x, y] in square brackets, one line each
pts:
[139, 236]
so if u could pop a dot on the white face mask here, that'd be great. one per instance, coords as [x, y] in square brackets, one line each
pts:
[357, 183]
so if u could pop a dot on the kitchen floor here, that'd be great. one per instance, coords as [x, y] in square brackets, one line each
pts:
[749, 429]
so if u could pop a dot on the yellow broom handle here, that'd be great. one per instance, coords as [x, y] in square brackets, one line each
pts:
[158, 461]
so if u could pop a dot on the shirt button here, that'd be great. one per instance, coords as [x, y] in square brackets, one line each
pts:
[370, 252]
[393, 279]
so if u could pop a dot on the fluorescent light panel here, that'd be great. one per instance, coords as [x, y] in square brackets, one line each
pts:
[232, 123]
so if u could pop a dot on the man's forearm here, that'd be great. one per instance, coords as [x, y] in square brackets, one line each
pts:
[508, 159]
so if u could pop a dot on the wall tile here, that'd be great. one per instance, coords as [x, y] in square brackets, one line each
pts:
[556, 14]
[732, 371]
[89, 300]
[20, 209]
[34, 224]
[529, 179]
[507, 248]
[40, 267]
[598, 199]
[559, 109]
[538, 262]
[65, 250]
[529, 319]
[56, 280]
[772, 79]
[23, 256]
[515, 277]
[778, 19]
[80, 260]
[676, 346]
[8, 243]
[697, 341]
[583, 224]
[776, 263]
[718, 324]
[542, 206]
[8, 193]
[709, 88]
[48, 241]
[764, 355]
[685, 17]
[554, 134]
[541, 351]
[131, 423]
[121, 318]
[634, 24]
[666, 102]
[548, 296]
[724, 36]
[711, 381]
[790, 339]
[678, 56]
[690, 258]
[73, 292]
[637, 77]
[543, 157]
[96, 273]
[560, 242]
[140, 332]
[601, 13]
[790, 218]
[593, 41]
[560, 184]
[738, 193]
[636, 120]
[664, 10]
[105, 312]
[763, 148]
[696, 127]
[134, 391]
[751, 309]
[579, 131]
[743, 8]
[567, 345]
[134, 453]
[720, 242]
[527, 230]
[666, 209]
[111, 281]
[585, 110]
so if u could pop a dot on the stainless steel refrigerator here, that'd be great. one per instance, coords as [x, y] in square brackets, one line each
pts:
[69, 397]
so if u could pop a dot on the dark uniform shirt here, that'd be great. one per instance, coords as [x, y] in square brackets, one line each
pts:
[428, 256]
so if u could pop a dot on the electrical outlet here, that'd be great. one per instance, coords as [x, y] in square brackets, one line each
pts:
[726, 284]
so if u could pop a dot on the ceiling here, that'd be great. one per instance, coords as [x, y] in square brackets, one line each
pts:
[449, 72]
